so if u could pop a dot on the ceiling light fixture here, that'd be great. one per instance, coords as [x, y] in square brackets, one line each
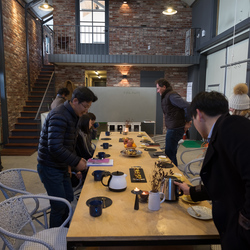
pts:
[124, 76]
[169, 11]
[125, 1]
[46, 6]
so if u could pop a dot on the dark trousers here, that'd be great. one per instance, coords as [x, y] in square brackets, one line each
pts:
[172, 138]
[57, 183]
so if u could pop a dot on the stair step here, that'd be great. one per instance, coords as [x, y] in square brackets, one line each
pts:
[27, 126]
[25, 132]
[41, 93]
[24, 139]
[28, 120]
[17, 152]
[35, 108]
[26, 145]
[28, 113]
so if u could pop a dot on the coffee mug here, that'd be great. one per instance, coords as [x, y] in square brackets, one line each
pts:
[101, 155]
[98, 175]
[95, 208]
[105, 145]
[107, 133]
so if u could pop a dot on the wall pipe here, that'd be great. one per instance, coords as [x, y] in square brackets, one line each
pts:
[5, 127]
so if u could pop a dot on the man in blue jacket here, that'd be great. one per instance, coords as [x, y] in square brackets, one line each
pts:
[56, 150]
[225, 171]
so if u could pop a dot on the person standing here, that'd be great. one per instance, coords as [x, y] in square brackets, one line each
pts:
[177, 119]
[225, 172]
[239, 102]
[60, 97]
[56, 150]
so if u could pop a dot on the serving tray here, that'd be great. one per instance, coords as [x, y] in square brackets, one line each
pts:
[137, 174]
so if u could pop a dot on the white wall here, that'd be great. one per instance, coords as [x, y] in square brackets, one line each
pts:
[232, 12]
[224, 79]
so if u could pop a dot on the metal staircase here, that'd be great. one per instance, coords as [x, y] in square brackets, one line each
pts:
[25, 136]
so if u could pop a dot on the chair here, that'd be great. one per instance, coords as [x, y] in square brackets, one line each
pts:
[16, 219]
[12, 183]
[161, 139]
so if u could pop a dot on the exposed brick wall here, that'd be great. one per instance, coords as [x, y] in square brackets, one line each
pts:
[160, 35]
[35, 48]
[16, 56]
[177, 76]
[64, 12]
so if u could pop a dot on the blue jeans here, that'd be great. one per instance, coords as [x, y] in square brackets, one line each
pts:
[172, 138]
[57, 183]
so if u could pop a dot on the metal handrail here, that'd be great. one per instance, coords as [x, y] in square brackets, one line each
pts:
[45, 93]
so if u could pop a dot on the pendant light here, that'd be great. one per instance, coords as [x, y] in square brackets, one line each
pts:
[46, 6]
[170, 10]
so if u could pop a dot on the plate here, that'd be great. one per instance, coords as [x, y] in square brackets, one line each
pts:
[105, 139]
[137, 153]
[106, 201]
[109, 145]
[205, 212]
[185, 198]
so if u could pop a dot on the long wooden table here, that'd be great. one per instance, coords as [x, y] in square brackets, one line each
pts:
[120, 224]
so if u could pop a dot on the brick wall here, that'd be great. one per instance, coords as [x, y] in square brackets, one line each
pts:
[177, 76]
[16, 56]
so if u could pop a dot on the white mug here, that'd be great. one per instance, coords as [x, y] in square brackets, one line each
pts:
[154, 200]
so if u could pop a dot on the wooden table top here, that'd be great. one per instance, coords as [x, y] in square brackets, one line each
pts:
[120, 222]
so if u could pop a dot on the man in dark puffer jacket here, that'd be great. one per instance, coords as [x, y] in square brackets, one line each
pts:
[56, 150]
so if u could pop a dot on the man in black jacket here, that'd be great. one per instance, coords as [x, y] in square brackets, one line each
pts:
[177, 120]
[56, 150]
[225, 171]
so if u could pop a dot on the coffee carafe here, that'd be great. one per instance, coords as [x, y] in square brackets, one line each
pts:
[171, 191]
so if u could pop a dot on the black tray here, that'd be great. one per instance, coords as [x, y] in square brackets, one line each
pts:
[154, 154]
[150, 149]
[133, 178]
[106, 201]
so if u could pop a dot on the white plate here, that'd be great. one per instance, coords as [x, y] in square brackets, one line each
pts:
[206, 213]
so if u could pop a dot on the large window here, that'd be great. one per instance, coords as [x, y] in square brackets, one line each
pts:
[92, 21]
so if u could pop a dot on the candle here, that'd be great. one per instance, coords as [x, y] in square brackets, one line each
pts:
[136, 189]
[144, 196]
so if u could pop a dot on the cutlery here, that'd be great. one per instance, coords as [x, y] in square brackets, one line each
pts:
[196, 213]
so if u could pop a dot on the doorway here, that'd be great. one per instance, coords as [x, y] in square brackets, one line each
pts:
[148, 79]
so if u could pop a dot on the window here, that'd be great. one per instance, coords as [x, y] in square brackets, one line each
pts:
[47, 45]
[92, 21]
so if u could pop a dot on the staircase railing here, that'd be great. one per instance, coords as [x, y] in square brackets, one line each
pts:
[45, 93]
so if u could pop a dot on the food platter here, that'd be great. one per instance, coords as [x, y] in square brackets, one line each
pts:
[131, 152]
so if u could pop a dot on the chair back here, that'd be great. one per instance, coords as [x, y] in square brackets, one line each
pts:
[14, 216]
[11, 180]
